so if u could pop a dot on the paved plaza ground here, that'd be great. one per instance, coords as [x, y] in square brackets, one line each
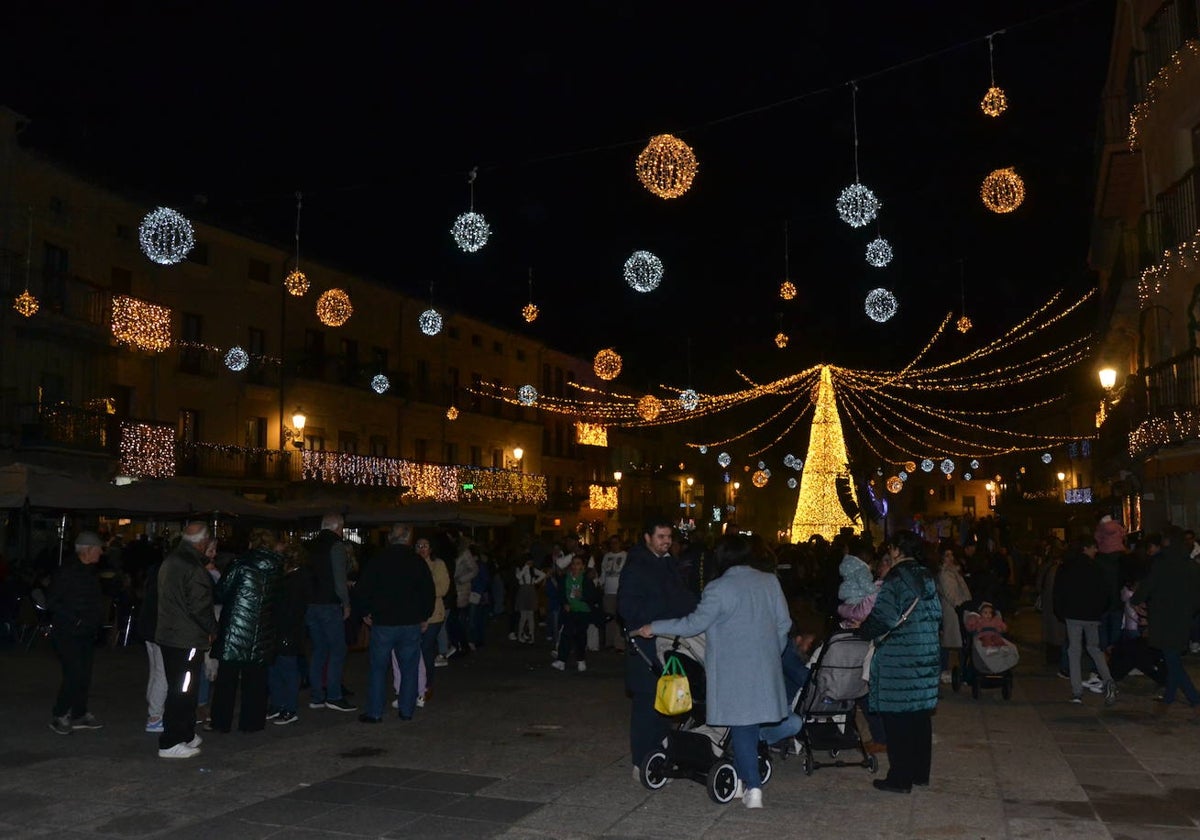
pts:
[510, 748]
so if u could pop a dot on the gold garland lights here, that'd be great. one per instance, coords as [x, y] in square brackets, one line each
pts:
[667, 166]
[334, 307]
[141, 325]
[601, 497]
[1002, 190]
[1154, 278]
[590, 434]
[1179, 64]
[25, 304]
[147, 450]
[607, 364]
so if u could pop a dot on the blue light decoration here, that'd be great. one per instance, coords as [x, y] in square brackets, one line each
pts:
[430, 322]
[947, 466]
[880, 305]
[1079, 496]
[857, 205]
[703, 449]
[471, 231]
[1046, 458]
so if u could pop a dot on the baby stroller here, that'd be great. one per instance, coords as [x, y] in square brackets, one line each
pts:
[827, 704]
[983, 666]
[695, 750]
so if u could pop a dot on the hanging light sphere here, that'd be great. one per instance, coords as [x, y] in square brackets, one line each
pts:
[703, 449]
[688, 400]
[296, 283]
[910, 466]
[966, 476]
[1046, 458]
[799, 465]
[643, 271]
[762, 465]
[166, 236]
[781, 340]
[237, 359]
[902, 475]
[607, 364]
[857, 205]
[789, 460]
[879, 252]
[927, 465]
[451, 413]
[380, 383]
[666, 166]
[471, 232]
[760, 478]
[994, 102]
[649, 407]
[527, 394]
[1002, 190]
[787, 290]
[430, 322]
[529, 312]
[333, 308]
[974, 464]
[792, 483]
[964, 324]
[894, 484]
[25, 304]
[947, 466]
[724, 460]
[880, 305]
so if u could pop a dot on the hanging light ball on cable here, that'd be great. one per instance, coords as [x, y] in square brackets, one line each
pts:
[894, 484]
[792, 483]
[927, 465]
[527, 394]
[787, 290]
[430, 322]
[781, 340]
[879, 252]
[702, 449]
[1002, 190]
[529, 312]
[649, 407]
[964, 324]
[688, 400]
[607, 364]
[667, 166]
[947, 466]
[296, 283]
[451, 413]
[333, 308]
[910, 466]
[643, 271]
[470, 231]
[166, 236]
[724, 459]
[994, 102]
[237, 359]
[857, 205]
[880, 305]
[760, 478]
[380, 383]
[25, 304]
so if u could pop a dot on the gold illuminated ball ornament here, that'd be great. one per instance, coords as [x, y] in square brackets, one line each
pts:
[666, 166]
[781, 340]
[910, 466]
[296, 283]
[787, 290]
[607, 364]
[964, 324]
[994, 102]
[333, 308]
[529, 312]
[1002, 190]
[760, 478]
[25, 304]
[649, 407]
[895, 484]
[451, 413]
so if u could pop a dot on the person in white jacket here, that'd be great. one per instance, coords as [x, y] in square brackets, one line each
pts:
[465, 569]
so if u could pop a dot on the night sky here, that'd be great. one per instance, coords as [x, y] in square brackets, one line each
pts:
[378, 115]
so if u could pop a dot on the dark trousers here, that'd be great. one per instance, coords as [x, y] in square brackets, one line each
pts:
[574, 635]
[75, 654]
[909, 747]
[456, 629]
[429, 646]
[253, 680]
[182, 668]
[647, 728]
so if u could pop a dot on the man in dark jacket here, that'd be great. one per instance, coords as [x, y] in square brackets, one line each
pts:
[1080, 598]
[650, 589]
[326, 616]
[77, 608]
[396, 593]
[186, 628]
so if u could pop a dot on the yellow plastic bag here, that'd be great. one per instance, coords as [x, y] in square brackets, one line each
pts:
[674, 694]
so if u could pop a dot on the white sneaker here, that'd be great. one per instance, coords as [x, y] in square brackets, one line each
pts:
[1193, 647]
[440, 661]
[581, 666]
[1093, 678]
[1134, 672]
[396, 703]
[559, 665]
[420, 702]
[945, 677]
[512, 637]
[195, 742]
[752, 798]
[180, 750]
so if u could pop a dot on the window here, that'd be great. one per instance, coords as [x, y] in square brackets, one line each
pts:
[58, 207]
[558, 382]
[350, 352]
[188, 430]
[545, 440]
[497, 403]
[546, 379]
[452, 332]
[191, 327]
[476, 340]
[379, 357]
[198, 254]
[422, 375]
[498, 348]
[379, 446]
[451, 453]
[420, 450]
[314, 439]
[256, 342]
[946, 491]
[258, 271]
[348, 442]
[314, 343]
[476, 456]
[121, 281]
[558, 439]
[256, 432]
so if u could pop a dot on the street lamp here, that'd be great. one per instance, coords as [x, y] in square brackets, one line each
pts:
[298, 421]
[1062, 476]
[1108, 378]
[690, 481]
[519, 453]
[617, 475]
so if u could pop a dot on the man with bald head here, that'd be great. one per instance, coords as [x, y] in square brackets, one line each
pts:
[186, 628]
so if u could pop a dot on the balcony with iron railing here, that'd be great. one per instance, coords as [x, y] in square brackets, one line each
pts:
[1158, 408]
[63, 426]
[1176, 209]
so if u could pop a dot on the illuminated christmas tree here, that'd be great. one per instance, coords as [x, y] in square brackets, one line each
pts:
[818, 510]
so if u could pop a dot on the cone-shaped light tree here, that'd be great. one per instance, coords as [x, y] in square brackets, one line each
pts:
[818, 510]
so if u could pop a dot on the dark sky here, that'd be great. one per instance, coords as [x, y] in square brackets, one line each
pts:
[378, 115]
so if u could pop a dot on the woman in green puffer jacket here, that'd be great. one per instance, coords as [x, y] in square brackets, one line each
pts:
[248, 591]
[904, 624]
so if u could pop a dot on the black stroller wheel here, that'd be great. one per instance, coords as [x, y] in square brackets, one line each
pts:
[764, 770]
[872, 764]
[654, 770]
[721, 782]
[807, 763]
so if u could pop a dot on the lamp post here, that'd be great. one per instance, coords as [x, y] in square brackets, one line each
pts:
[299, 419]
[1108, 378]
[519, 453]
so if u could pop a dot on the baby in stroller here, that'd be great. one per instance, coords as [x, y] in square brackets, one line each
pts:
[988, 626]
[988, 657]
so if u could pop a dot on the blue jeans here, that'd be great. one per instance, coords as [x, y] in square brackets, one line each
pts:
[404, 640]
[326, 626]
[795, 673]
[1178, 679]
[479, 616]
[786, 728]
[429, 649]
[744, 740]
[283, 683]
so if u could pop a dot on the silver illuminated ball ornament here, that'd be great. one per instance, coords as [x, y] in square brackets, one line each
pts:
[703, 450]
[527, 394]
[380, 383]
[902, 475]
[966, 476]
[974, 465]
[724, 459]
[1046, 458]
[947, 466]
[430, 322]
[471, 231]
[789, 460]
[857, 205]
[880, 305]
[688, 400]
[166, 236]
[792, 483]
[879, 252]
[237, 359]
[643, 271]
[927, 465]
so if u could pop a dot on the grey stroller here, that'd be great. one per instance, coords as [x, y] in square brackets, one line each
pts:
[827, 704]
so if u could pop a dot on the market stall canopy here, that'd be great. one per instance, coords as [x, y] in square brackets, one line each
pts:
[46, 489]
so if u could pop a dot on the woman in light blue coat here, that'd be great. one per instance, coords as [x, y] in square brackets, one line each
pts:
[746, 620]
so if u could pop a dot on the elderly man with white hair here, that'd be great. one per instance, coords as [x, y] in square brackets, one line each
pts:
[326, 616]
[77, 608]
[186, 628]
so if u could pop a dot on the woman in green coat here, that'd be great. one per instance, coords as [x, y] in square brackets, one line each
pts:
[904, 670]
[1171, 593]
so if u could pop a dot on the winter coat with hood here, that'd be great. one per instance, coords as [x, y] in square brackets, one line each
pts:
[249, 593]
